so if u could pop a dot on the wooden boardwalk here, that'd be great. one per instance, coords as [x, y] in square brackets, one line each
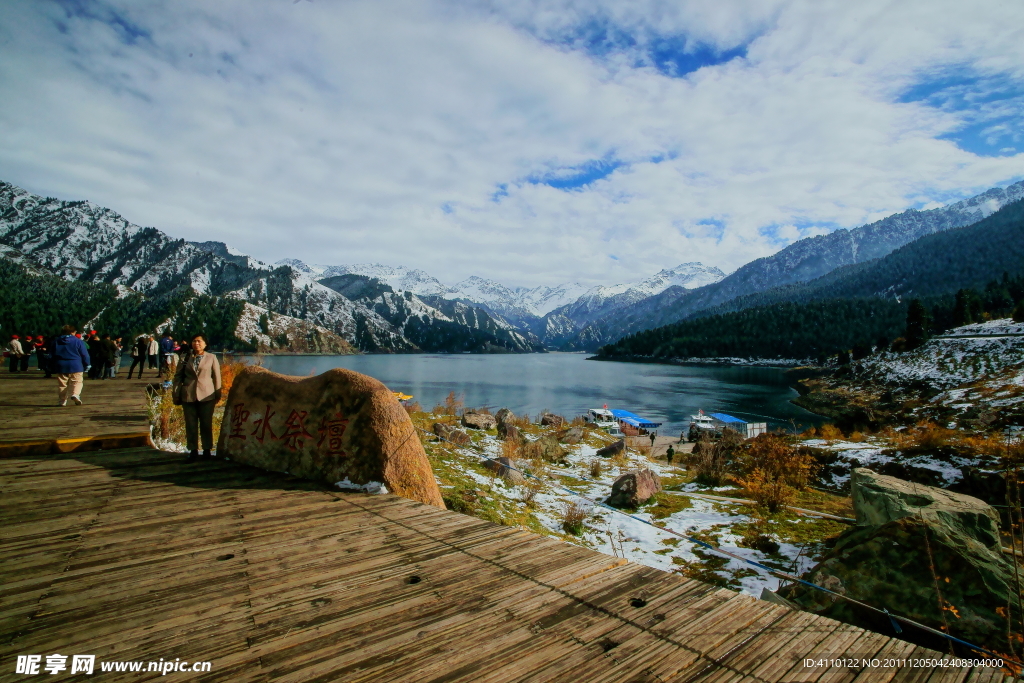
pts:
[113, 414]
[135, 555]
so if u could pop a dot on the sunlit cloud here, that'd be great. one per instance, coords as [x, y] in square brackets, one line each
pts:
[530, 142]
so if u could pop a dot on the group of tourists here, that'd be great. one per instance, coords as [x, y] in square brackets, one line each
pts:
[72, 356]
[104, 351]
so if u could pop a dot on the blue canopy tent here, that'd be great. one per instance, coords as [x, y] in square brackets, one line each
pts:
[634, 420]
[728, 419]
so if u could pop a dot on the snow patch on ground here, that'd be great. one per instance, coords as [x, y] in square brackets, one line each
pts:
[625, 535]
[368, 487]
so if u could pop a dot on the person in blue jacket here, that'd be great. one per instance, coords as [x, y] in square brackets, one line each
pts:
[70, 360]
[166, 350]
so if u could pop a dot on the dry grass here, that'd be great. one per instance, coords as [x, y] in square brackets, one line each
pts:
[929, 437]
[573, 515]
[511, 449]
[521, 421]
[641, 446]
[453, 405]
[620, 461]
[594, 468]
[168, 420]
[530, 491]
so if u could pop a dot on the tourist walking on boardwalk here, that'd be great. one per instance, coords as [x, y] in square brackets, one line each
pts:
[197, 388]
[153, 353]
[140, 349]
[70, 361]
[109, 350]
[28, 349]
[14, 351]
[97, 356]
[118, 350]
[92, 344]
[43, 348]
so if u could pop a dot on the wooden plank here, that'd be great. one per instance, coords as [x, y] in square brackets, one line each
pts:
[314, 584]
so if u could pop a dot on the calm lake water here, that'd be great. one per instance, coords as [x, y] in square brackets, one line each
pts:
[568, 384]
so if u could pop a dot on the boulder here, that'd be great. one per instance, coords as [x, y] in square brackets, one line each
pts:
[501, 467]
[633, 489]
[547, 448]
[342, 428]
[878, 500]
[476, 420]
[450, 433]
[887, 560]
[571, 436]
[552, 420]
[508, 432]
[504, 415]
[612, 449]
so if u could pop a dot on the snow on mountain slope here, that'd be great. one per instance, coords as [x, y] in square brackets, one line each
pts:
[82, 241]
[398, 278]
[263, 328]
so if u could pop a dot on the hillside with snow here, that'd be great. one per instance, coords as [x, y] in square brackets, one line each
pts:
[549, 313]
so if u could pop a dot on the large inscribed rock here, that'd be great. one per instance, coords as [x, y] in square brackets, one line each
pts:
[340, 427]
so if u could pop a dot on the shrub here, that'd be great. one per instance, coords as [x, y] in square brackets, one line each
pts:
[573, 514]
[708, 461]
[453, 405]
[830, 433]
[530, 491]
[594, 469]
[772, 470]
[856, 437]
[168, 420]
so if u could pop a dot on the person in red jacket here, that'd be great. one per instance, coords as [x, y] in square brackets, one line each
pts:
[28, 348]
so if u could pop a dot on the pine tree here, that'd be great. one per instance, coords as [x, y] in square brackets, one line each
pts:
[918, 325]
[1018, 313]
[962, 309]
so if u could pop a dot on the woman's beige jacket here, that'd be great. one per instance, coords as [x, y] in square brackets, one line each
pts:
[198, 386]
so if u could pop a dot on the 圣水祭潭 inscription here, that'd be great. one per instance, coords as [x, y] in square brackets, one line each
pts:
[291, 431]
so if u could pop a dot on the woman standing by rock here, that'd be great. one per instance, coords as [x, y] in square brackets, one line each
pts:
[197, 388]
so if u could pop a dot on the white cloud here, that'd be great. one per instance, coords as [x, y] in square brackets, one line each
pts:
[341, 133]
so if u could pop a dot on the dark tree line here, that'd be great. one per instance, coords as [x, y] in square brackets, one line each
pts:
[830, 327]
[42, 304]
[785, 330]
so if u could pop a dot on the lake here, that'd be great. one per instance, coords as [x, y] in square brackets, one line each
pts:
[569, 384]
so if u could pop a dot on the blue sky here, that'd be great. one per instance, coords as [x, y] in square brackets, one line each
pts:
[529, 141]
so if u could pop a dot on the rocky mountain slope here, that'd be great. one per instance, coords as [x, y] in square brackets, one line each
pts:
[550, 315]
[801, 261]
[432, 323]
[80, 241]
[936, 264]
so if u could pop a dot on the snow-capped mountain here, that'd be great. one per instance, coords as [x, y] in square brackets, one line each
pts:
[399, 278]
[82, 241]
[802, 261]
[545, 312]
